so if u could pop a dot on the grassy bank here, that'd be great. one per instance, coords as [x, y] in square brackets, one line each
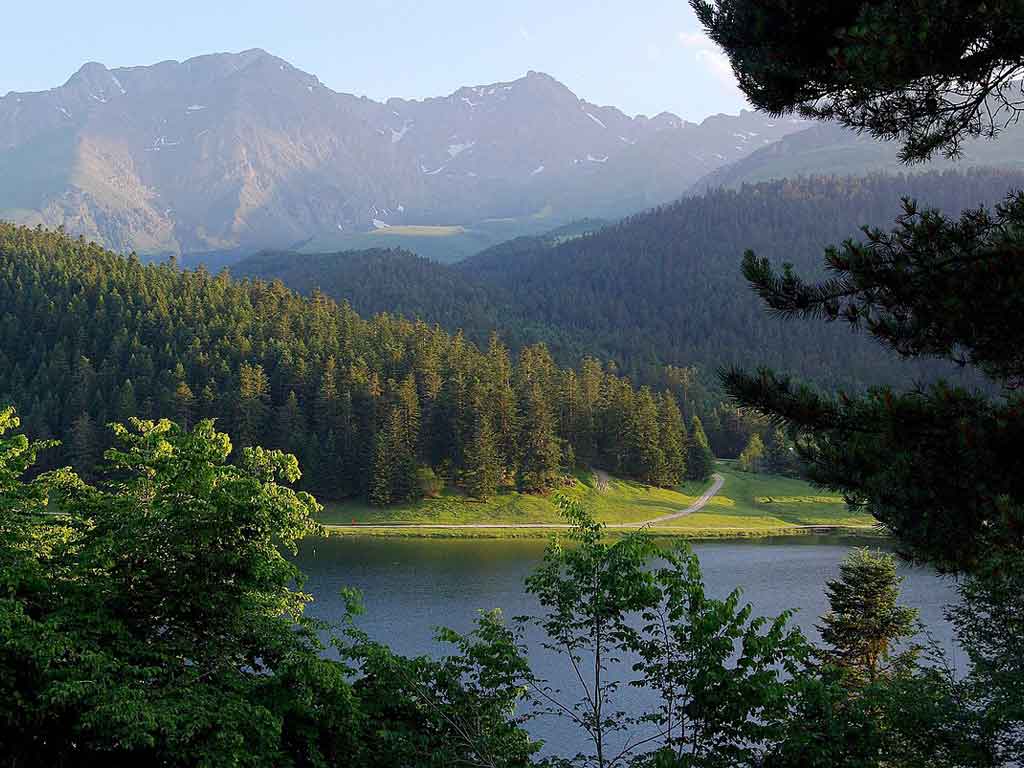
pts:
[747, 505]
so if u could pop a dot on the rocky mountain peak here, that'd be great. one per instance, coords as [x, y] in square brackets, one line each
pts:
[230, 150]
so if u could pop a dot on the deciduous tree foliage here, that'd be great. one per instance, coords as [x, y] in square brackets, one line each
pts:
[155, 619]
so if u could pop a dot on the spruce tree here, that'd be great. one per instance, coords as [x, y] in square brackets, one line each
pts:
[83, 445]
[700, 462]
[865, 621]
[127, 406]
[184, 406]
[252, 405]
[647, 461]
[483, 461]
[540, 450]
[289, 429]
[380, 480]
[672, 439]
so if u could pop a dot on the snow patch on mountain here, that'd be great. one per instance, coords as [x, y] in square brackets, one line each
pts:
[597, 120]
[454, 150]
[396, 136]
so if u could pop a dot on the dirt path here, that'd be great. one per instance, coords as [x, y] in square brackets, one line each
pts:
[716, 485]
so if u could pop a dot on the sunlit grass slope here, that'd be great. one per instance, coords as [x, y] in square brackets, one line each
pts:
[747, 504]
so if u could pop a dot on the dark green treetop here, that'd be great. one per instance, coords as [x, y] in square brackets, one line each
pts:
[925, 72]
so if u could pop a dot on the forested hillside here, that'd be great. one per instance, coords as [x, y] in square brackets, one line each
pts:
[662, 287]
[387, 408]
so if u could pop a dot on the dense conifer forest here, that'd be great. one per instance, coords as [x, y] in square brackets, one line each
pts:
[660, 288]
[385, 408]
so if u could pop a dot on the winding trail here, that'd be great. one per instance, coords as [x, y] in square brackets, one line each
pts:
[717, 481]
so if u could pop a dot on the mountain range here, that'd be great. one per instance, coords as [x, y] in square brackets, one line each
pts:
[828, 149]
[230, 151]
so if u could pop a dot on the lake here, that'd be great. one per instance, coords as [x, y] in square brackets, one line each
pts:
[411, 586]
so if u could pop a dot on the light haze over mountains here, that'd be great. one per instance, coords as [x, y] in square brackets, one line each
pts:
[244, 150]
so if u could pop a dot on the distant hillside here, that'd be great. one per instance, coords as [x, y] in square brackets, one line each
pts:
[228, 152]
[660, 287]
[831, 150]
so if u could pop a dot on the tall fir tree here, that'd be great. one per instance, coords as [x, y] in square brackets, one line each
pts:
[253, 404]
[672, 439]
[647, 460]
[540, 451]
[482, 470]
[700, 462]
[84, 448]
[184, 405]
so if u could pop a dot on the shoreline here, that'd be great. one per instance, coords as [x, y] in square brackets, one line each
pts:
[545, 530]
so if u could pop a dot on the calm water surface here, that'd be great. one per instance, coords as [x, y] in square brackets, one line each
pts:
[411, 586]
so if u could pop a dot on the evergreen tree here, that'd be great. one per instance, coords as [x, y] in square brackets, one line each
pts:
[865, 622]
[672, 439]
[127, 407]
[503, 401]
[928, 76]
[482, 471]
[184, 405]
[289, 426]
[380, 482]
[253, 404]
[700, 462]
[84, 449]
[409, 406]
[540, 450]
[647, 461]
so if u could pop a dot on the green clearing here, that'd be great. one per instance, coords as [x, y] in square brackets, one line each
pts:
[419, 230]
[748, 504]
[757, 502]
[445, 243]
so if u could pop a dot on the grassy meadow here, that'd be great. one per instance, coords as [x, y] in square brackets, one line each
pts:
[747, 504]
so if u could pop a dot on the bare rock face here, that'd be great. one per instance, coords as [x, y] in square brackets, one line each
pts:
[231, 150]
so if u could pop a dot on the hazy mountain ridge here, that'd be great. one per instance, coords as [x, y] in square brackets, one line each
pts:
[831, 150]
[660, 287]
[229, 150]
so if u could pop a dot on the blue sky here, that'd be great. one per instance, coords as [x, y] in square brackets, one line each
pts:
[643, 57]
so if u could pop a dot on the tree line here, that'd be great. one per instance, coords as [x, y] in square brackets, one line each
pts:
[659, 288]
[385, 408]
